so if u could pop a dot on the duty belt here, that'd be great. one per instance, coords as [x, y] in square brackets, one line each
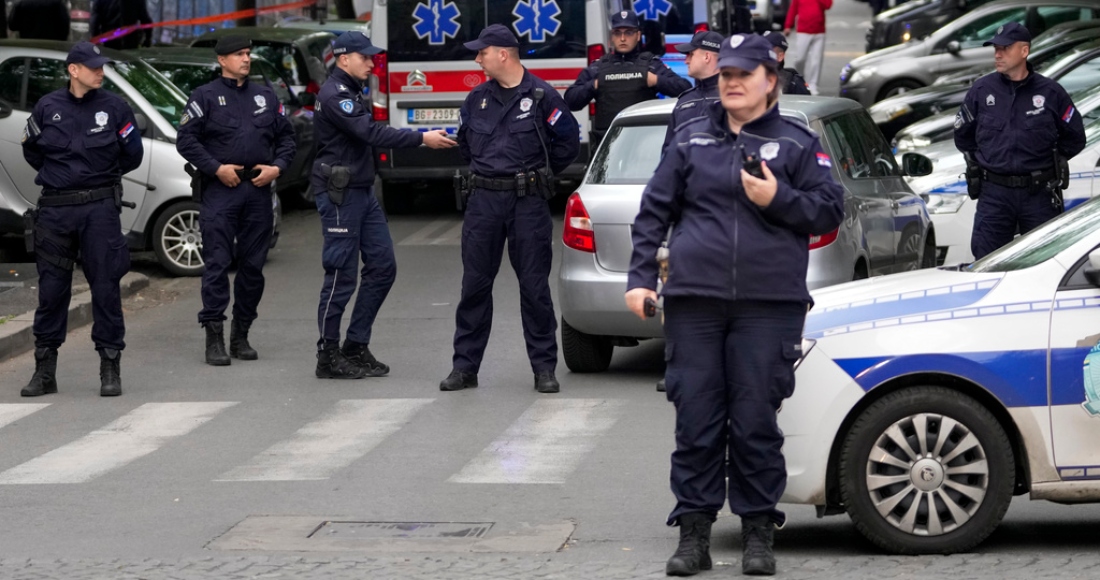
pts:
[522, 182]
[55, 197]
[1035, 178]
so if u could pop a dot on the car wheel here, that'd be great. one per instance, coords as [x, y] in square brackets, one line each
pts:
[897, 88]
[928, 258]
[177, 239]
[910, 248]
[860, 271]
[926, 470]
[585, 353]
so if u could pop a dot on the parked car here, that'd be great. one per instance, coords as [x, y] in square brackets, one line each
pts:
[915, 20]
[952, 209]
[188, 69]
[922, 408]
[956, 46]
[165, 219]
[886, 229]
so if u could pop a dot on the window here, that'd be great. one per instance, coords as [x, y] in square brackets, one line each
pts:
[1050, 16]
[46, 75]
[980, 30]
[629, 156]
[848, 148]
[266, 73]
[1083, 76]
[186, 77]
[1044, 242]
[12, 72]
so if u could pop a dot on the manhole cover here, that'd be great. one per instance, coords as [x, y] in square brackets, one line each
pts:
[411, 530]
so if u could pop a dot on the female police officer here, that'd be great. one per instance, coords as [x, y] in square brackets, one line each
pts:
[735, 298]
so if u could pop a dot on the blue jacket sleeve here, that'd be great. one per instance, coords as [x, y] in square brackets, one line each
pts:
[659, 202]
[562, 130]
[966, 123]
[583, 90]
[812, 202]
[669, 83]
[460, 136]
[190, 132]
[31, 151]
[358, 124]
[1071, 128]
[131, 149]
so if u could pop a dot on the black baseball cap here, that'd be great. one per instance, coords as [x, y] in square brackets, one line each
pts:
[625, 19]
[704, 39]
[1009, 34]
[493, 35]
[87, 54]
[354, 41]
[777, 39]
[746, 52]
[230, 44]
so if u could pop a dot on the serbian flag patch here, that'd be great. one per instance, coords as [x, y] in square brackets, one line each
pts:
[554, 116]
[1069, 114]
[823, 160]
[125, 131]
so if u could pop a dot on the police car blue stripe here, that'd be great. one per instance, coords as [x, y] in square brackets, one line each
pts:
[895, 306]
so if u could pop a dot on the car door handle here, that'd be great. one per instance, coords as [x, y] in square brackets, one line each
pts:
[894, 205]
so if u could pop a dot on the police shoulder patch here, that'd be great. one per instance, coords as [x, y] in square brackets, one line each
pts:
[347, 105]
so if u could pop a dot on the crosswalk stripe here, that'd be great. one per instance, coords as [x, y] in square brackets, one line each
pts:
[545, 444]
[451, 237]
[424, 237]
[326, 445]
[12, 412]
[130, 437]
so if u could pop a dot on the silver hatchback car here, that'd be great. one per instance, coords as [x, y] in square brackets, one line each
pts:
[886, 227]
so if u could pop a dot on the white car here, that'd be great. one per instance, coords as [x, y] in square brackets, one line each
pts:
[926, 400]
[951, 208]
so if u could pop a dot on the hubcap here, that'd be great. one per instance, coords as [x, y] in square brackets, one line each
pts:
[182, 240]
[927, 474]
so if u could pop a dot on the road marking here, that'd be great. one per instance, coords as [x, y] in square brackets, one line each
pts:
[12, 412]
[424, 237]
[451, 237]
[130, 437]
[545, 444]
[326, 445]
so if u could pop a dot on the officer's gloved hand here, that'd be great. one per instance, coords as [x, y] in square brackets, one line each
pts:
[227, 174]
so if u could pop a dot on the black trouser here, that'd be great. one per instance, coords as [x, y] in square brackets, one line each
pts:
[243, 215]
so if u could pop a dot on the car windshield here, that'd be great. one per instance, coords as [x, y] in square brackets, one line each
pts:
[159, 91]
[187, 77]
[1044, 242]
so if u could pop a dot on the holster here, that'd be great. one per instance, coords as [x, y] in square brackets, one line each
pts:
[119, 202]
[462, 189]
[339, 176]
[198, 182]
[973, 176]
[30, 218]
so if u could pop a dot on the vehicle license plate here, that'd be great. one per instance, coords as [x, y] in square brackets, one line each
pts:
[433, 115]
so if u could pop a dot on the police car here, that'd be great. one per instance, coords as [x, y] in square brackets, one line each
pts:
[926, 400]
[952, 209]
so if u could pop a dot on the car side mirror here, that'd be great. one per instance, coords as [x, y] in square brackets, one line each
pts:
[954, 47]
[306, 99]
[1092, 270]
[5, 110]
[142, 122]
[916, 165]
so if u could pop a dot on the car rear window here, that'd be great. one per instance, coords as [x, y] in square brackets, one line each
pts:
[434, 30]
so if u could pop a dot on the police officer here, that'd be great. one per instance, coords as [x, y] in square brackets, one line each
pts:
[516, 132]
[789, 78]
[352, 222]
[81, 140]
[702, 63]
[1014, 127]
[750, 187]
[234, 132]
[624, 77]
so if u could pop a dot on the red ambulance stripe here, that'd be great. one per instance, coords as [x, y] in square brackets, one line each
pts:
[463, 81]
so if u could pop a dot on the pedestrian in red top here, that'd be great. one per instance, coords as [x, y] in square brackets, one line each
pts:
[810, 41]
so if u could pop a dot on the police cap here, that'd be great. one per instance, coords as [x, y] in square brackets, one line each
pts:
[625, 19]
[704, 39]
[87, 54]
[230, 44]
[354, 41]
[1009, 34]
[777, 39]
[493, 35]
[746, 52]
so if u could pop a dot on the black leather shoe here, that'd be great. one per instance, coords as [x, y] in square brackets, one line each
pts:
[44, 380]
[458, 380]
[238, 341]
[693, 553]
[215, 344]
[332, 364]
[110, 377]
[757, 537]
[359, 355]
[546, 383]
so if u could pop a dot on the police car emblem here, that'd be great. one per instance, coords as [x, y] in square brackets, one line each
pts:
[1038, 101]
[769, 151]
[990, 101]
[101, 118]
[260, 101]
[525, 105]
[736, 40]
[347, 106]
[1092, 382]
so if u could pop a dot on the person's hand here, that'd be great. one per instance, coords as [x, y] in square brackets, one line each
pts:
[268, 173]
[635, 300]
[787, 32]
[596, 84]
[650, 79]
[760, 191]
[227, 174]
[438, 139]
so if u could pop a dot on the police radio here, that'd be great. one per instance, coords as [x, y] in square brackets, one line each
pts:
[751, 163]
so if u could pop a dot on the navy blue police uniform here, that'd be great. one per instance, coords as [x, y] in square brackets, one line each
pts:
[354, 225]
[622, 80]
[1011, 130]
[80, 147]
[226, 123]
[692, 103]
[508, 135]
[790, 79]
[735, 298]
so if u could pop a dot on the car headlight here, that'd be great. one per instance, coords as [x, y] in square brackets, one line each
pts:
[861, 75]
[939, 203]
[884, 114]
[911, 142]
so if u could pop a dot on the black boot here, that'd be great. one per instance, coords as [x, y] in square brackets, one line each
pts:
[693, 553]
[661, 386]
[110, 378]
[332, 364]
[458, 380]
[359, 355]
[44, 380]
[215, 344]
[545, 382]
[757, 537]
[238, 341]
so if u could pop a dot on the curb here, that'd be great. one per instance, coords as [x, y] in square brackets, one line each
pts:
[17, 334]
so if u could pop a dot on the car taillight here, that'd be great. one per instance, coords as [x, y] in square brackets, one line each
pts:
[595, 52]
[702, 27]
[823, 240]
[313, 88]
[578, 232]
[380, 88]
